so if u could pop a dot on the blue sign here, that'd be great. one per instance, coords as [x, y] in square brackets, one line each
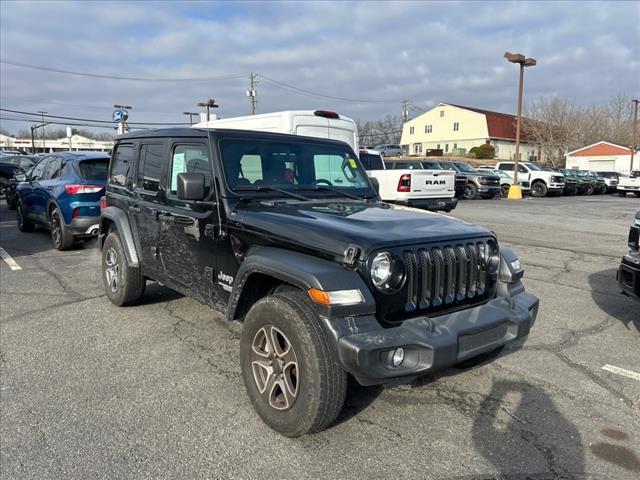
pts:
[120, 115]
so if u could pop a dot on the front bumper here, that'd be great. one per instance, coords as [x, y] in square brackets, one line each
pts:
[430, 344]
[433, 204]
[629, 275]
[488, 189]
[555, 186]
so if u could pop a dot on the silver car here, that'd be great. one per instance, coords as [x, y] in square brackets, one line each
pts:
[390, 150]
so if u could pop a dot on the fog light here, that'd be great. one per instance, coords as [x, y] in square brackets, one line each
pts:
[397, 357]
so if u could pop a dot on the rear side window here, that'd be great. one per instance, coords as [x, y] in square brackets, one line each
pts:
[507, 167]
[371, 162]
[94, 169]
[190, 159]
[121, 164]
[150, 166]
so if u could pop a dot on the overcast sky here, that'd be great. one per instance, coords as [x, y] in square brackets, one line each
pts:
[373, 52]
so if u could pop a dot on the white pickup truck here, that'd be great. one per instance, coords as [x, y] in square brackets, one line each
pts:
[543, 183]
[415, 187]
[630, 184]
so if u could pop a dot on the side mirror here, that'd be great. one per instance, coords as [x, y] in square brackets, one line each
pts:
[376, 184]
[21, 177]
[191, 186]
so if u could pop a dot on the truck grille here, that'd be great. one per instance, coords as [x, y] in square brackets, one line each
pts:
[445, 277]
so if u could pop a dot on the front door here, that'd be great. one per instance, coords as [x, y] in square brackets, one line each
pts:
[188, 249]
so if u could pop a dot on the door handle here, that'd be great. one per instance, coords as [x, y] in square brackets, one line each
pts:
[134, 209]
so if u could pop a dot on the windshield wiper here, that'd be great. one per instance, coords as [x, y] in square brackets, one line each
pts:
[264, 188]
[319, 188]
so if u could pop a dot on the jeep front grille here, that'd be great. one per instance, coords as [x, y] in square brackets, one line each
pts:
[444, 277]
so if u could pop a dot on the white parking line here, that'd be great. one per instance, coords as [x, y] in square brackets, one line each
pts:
[622, 371]
[10, 261]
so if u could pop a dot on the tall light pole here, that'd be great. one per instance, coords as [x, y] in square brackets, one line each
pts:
[252, 93]
[191, 115]
[211, 103]
[515, 192]
[43, 131]
[634, 145]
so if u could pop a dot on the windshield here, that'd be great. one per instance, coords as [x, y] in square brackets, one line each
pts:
[608, 174]
[634, 174]
[291, 165]
[465, 167]
[431, 165]
[532, 166]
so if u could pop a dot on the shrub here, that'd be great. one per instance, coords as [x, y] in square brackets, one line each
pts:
[485, 150]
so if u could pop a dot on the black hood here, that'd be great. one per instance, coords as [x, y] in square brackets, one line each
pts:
[330, 227]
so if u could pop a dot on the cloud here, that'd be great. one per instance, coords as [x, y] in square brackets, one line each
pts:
[424, 51]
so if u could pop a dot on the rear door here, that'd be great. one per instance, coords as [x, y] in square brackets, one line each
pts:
[29, 190]
[144, 207]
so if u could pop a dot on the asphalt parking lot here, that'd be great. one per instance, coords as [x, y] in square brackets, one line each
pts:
[154, 391]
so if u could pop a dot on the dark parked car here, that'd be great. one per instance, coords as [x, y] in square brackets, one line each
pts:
[599, 186]
[478, 183]
[584, 186]
[287, 235]
[10, 165]
[62, 193]
[571, 186]
[629, 270]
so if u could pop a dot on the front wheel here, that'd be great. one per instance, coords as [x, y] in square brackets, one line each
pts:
[589, 189]
[470, 191]
[289, 373]
[538, 189]
[123, 284]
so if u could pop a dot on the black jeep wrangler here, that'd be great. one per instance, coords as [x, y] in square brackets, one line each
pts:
[288, 235]
[629, 270]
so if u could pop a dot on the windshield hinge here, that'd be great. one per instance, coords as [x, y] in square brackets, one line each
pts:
[351, 256]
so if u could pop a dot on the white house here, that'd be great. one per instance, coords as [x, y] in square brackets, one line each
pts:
[455, 129]
[604, 157]
[78, 142]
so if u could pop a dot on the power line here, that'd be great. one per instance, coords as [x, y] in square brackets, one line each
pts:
[64, 104]
[303, 91]
[119, 77]
[90, 120]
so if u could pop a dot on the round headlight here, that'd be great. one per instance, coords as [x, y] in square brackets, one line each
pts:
[381, 270]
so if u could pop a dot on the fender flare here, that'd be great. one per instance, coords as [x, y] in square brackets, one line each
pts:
[305, 272]
[121, 221]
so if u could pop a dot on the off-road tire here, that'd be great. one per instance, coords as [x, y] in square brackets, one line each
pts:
[24, 224]
[60, 236]
[539, 189]
[470, 191]
[11, 201]
[589, 189]
[130, 283]
[321, 383]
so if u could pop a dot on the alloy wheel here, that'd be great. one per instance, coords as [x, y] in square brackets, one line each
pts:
[112, 270]
[56, 229]
[19, 218]
[275, 367]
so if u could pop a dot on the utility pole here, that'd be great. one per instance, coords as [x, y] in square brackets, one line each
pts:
[405, 110]
[523, 62]
[252, 93]
[634, 146]
[211, 103]
[33, 141]
[191, 115]
[43, 131]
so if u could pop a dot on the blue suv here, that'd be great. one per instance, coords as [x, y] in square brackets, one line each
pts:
[62, 192]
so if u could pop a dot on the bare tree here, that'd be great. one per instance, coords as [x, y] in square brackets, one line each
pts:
[387, 130]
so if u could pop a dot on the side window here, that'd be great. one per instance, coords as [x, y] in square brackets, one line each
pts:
[190, 159]
[336, 169]
[52, 170]
[36, 173]
[121, 164]
[149, 167]
[522, 169]
[507, 167]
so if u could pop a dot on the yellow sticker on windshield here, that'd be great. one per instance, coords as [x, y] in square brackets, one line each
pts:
[352, 162]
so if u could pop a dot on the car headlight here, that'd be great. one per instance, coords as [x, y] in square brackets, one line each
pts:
[381, 270]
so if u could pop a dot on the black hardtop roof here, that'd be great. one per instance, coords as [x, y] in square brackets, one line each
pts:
[203, 132]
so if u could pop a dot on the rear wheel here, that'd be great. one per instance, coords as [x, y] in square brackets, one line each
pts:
[289, 373]
[538, 189]
[504, 189]
[470, 191]
[60, 235]
[11, 200]
[123, 284]
[24, 224]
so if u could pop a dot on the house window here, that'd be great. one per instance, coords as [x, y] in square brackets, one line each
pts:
[411, 130]
[442, 113]
[446, 147]
[455, 145]
[428, 128]
[438, 147]
[456, 126]
[417, 148]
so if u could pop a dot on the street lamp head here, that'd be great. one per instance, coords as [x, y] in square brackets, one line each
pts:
[514, 57]
[211, 103]
[529, 62]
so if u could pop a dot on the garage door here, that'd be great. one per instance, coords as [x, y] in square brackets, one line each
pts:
[603, 165]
